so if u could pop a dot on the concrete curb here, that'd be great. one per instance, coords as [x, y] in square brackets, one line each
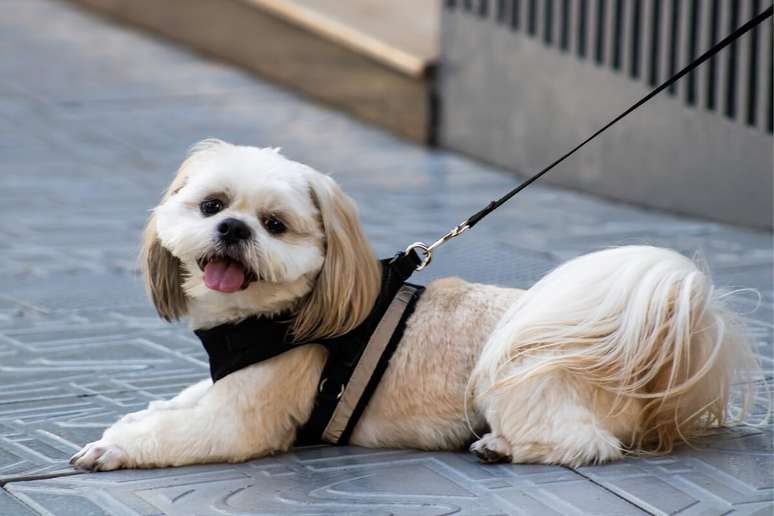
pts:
[269, 43]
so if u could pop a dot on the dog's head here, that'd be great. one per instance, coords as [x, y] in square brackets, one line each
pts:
[245, 231]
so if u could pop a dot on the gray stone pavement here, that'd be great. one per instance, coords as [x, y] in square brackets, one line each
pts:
[94, 118]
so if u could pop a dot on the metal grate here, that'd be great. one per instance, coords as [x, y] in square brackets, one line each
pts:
[648, 40]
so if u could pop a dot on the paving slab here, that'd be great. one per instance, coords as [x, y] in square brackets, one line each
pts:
[11, 505]
[94, 119]
[66, 377]
[331, 481]
[732, 470]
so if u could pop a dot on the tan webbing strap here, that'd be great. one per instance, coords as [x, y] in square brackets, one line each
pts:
[367, 364]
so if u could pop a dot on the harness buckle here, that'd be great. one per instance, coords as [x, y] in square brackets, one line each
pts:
[427, 250]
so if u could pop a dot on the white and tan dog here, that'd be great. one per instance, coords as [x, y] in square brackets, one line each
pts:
[622, 350]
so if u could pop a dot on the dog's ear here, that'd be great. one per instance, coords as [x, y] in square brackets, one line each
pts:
[350, 278]
[163, 275]
[162, 270]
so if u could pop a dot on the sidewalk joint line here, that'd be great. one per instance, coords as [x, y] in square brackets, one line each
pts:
[617, 495]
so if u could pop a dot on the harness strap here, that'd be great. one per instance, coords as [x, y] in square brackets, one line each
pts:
[371, 366]
[232, 347]
[345, 354]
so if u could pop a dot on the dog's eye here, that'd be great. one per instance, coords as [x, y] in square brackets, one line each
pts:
[211, 206]
[274, 226]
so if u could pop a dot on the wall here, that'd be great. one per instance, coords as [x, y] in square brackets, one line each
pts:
[524, 81]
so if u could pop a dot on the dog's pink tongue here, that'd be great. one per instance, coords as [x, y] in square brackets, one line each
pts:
[223, 276]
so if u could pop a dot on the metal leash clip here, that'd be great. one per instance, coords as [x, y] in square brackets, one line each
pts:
[427, 250]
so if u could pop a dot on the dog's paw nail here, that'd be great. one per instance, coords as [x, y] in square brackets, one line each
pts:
[76, 457]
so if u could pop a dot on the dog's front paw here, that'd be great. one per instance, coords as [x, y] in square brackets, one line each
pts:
[100, 455]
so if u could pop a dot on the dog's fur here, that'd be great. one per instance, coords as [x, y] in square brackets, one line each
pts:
[622, 350]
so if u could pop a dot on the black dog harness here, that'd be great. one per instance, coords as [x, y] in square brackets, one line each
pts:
[356, 360]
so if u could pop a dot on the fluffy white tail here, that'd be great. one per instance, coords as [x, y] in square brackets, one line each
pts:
[641, 323]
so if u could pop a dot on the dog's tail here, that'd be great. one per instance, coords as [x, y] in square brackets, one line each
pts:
[638, 322]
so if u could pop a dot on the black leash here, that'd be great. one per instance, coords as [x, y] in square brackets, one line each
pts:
[427, 250]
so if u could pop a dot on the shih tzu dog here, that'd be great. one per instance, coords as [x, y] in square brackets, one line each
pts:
[624, 350]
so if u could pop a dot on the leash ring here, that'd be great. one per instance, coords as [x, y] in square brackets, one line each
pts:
[424, 250]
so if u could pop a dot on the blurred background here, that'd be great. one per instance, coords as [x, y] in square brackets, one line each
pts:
[517, 82]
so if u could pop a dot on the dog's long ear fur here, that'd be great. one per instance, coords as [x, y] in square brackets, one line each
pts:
[163, 275]
[350, 278]
[162, 271]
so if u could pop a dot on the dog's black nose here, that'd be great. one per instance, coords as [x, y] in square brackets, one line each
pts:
[233, 230]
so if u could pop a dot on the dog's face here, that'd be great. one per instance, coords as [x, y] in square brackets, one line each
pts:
[241, 216]
[244, 230]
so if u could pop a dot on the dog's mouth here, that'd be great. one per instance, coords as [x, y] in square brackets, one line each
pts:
[226, 274]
